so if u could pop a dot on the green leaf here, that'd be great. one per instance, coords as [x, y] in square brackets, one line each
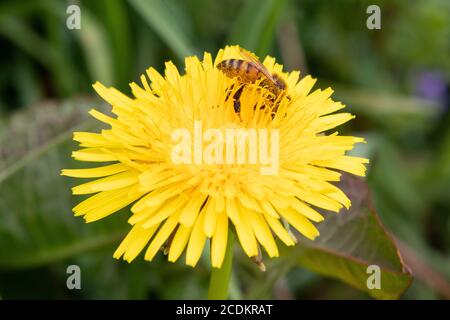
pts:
[33, 131]
[256, 24]
[396, 112]
[169, 22]
[46, 49]
[350, 242]
[93, 39]
[38, 226]
[29, 41]
[118, 25]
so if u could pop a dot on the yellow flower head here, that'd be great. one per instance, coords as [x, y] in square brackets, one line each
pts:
[159, 142]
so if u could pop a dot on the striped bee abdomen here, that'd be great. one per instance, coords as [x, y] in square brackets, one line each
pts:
[245, 70]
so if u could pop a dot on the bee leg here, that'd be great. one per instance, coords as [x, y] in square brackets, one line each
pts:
[229, 90]
[236, 97]
[237, 106]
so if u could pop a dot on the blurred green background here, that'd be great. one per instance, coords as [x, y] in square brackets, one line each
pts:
[396, 80]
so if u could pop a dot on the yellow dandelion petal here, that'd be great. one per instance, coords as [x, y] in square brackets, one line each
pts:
[305, 210]
[93, 140]
[139, 241]
[245, 233]
[320, 200]
[196, 241]
[112, 205]
[98, 200]
[95, 172]
[134, 242]
[353, 165]
[332, 121]
[280, 231]
[116, 181]
[209, 225]
[167, 210]
[162, 235]
[179, 242]
[191, 210]
[219, 240]
[93, 155]
[263, 233]
[299, 222]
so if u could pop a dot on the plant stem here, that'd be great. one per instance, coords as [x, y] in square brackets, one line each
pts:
[220, 277]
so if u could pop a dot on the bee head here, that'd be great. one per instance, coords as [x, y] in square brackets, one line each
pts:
[279, 82]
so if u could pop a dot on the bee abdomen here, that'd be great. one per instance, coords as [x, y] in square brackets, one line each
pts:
[240, 68]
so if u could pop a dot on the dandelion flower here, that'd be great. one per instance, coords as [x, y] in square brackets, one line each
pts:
[182, 206]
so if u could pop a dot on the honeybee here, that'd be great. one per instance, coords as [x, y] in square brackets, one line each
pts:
[251, 70]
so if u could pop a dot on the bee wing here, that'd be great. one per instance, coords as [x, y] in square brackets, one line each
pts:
[250, 56]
